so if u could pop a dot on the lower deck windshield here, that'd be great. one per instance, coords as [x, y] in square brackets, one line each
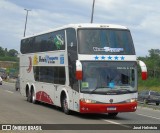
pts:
[109, 77]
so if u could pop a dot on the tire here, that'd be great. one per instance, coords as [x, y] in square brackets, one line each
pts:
[33, 97]
[145, 101]
[112, 114]
[65, 105]
[157, 104]
[29, 98]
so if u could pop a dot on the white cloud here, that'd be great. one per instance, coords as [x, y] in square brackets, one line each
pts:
[141, 17]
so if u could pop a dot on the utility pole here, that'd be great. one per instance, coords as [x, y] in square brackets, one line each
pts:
[92, 11]
[26, 21]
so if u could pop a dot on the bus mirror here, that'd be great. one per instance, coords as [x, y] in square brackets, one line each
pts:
[78, 70]
[143, 70]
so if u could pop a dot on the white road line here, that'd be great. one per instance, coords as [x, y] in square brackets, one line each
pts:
[149, 116]
[112, 122]
[9, 91]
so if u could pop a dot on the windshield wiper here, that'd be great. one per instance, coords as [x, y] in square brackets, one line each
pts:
[121, 90]
[98, 88]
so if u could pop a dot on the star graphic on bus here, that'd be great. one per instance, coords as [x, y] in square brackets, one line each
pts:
[109, 58]
[122, 58]
[103, 57]
[96, 57]
[116, 57]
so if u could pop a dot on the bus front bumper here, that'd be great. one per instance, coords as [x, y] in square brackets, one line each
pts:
[107, 108]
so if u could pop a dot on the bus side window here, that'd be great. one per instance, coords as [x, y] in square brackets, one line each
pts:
[71, 37]
[72, 57]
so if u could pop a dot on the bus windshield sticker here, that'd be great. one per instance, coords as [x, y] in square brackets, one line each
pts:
[59, 41]
[108, 49]
[85, 85]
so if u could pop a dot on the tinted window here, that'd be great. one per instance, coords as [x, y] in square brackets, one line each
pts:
[72, 57]
[50, 74]
[105, 41]
[46, 42]
[118, 77]
[154, 93]
[71, 37]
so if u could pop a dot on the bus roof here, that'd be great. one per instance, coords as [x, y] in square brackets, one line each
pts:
[84, 25]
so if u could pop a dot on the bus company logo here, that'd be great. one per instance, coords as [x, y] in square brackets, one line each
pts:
[59, 41]
[35, 60]
[107, 49]
[48, 59]
[30, 65]
[111, 100]
[61, 59]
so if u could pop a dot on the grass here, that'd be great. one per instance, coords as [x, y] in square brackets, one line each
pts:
[149, 84]
[7, 58]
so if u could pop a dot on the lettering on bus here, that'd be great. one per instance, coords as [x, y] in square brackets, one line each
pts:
[48, 59]
[61, 59]
[108, 49]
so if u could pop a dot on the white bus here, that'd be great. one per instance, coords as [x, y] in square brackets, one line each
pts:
[87, 68]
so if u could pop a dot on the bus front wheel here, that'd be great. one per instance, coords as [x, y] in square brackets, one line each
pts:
[65, 105]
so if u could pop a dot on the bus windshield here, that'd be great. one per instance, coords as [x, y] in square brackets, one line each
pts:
[109, 77]
[105, 41]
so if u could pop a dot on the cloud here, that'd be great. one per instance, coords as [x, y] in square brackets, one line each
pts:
[141, 17]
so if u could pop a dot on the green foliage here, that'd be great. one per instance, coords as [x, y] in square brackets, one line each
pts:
[150, 82]
[10, 55]
[152, 62]
[11, 52]
[7, 58]
[2, 52]
[153, 66]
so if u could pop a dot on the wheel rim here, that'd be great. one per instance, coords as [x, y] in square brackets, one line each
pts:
[33, 96]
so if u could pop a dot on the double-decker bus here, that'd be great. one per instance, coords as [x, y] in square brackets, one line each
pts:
[87, 68]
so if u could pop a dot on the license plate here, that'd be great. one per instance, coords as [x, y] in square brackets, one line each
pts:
[111, 108]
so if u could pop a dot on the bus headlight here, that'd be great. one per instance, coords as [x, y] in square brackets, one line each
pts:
[131, 100]
[88, 100]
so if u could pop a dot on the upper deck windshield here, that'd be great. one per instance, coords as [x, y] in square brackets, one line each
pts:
[105, 41]
[109, 77]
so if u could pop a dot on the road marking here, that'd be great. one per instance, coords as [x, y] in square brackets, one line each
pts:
[149, 116]
[112, 122]
[9, 91]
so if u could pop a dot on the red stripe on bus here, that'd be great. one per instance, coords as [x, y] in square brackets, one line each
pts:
[107, 108]
[44, 97]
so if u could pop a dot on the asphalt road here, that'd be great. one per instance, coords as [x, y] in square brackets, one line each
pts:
[14, 109]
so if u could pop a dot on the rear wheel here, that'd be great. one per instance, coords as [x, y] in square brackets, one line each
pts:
[29, 98]
[33, 96]
[65, 105]
[157, 104]
[112, 114]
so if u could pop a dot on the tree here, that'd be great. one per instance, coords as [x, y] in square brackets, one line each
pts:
[6, 51]
[12, 53]
[153, 62]
[2, 53]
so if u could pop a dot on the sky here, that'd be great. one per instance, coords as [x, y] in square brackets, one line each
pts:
[142, 17]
